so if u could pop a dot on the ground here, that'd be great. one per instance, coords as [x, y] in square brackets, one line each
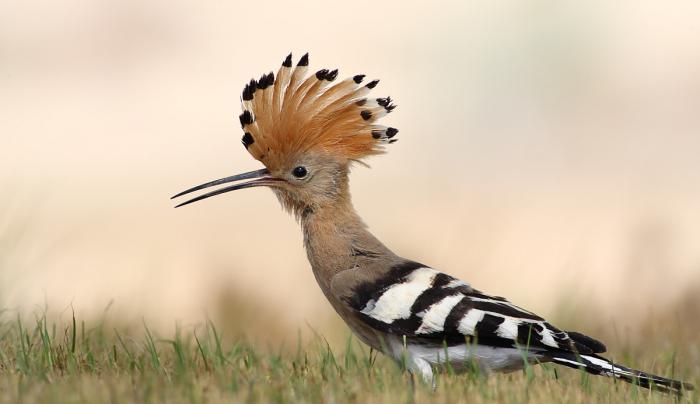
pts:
[101, 361]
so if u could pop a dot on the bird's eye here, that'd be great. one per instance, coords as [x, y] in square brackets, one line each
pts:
[299, 172]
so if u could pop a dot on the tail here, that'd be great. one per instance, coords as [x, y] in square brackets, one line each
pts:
[598, 365]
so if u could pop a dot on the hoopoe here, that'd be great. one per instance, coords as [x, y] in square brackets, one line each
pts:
[307, 133]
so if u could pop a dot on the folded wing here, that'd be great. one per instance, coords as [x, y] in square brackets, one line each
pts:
[421, 303]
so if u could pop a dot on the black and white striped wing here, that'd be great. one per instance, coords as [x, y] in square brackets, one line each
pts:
[422, 303]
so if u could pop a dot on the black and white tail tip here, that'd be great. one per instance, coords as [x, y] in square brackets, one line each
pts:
[598, 365]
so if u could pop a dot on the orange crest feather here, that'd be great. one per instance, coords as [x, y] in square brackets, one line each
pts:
[296, 114]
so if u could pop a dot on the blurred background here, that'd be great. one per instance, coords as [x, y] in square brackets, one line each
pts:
[548, 153]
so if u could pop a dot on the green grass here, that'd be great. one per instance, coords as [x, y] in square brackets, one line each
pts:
[43, 361]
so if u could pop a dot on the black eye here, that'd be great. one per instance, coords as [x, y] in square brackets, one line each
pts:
[299, 172]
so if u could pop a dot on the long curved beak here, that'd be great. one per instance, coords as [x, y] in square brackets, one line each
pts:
[259, 177]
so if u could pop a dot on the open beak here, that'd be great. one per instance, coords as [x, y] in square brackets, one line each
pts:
[259, 177]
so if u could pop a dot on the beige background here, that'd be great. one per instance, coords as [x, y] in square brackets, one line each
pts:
[549, 152]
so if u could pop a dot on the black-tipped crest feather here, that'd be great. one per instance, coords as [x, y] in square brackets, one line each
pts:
[309, 107]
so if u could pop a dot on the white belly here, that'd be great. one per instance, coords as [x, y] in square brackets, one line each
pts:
[422, 358]
[460, 357]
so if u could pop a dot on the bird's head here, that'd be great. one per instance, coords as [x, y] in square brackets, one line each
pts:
[306, 131]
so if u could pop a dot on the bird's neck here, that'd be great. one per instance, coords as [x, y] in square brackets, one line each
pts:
[336, 239]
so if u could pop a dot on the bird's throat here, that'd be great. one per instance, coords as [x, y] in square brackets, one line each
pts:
[336, 239]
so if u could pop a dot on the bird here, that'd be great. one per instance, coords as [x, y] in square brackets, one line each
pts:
[308, 130]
